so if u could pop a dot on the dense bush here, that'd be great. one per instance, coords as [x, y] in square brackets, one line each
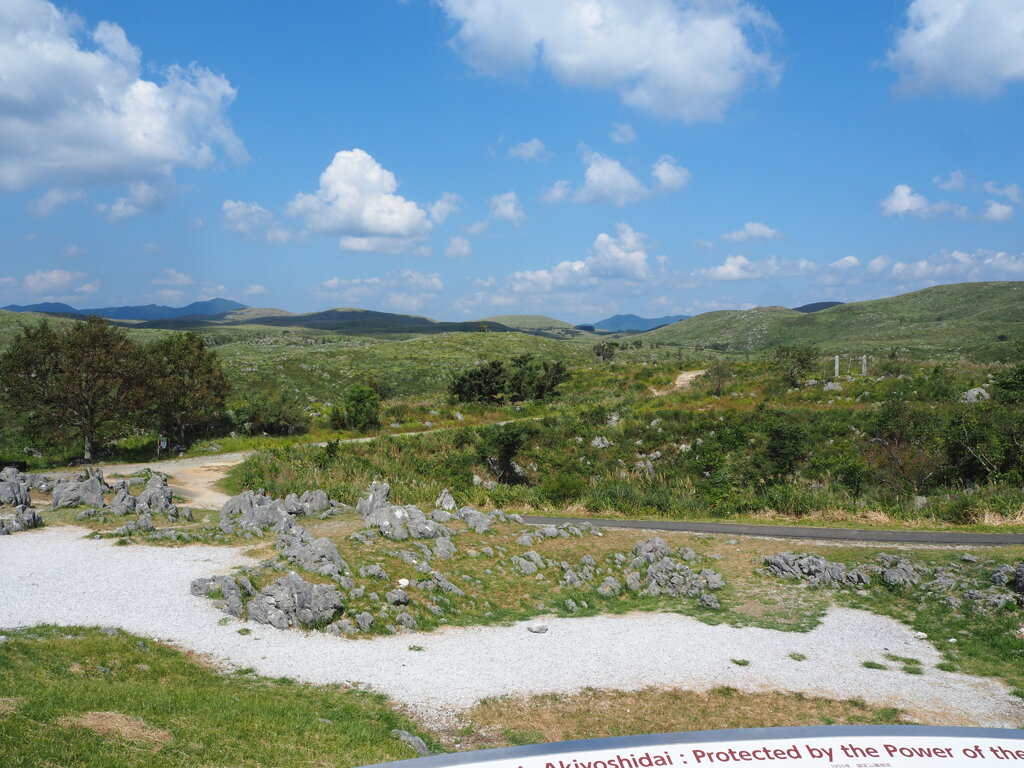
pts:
[520, 379]
[274, 414]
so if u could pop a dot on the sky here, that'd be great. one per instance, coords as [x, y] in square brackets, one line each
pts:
[461, 159]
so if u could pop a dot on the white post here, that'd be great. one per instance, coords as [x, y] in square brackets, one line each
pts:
[863, 365]
[837, 368]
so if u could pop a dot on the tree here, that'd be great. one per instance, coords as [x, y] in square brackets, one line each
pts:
[86, 381]
[605, 351]
[719, 372]
[362, 408]
[794, 362]
[499, 445]
[188, 386]
[522, 378]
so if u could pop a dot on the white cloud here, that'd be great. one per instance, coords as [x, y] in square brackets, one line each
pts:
[956, 181]
[879, 264]
[739, 267]
[845, 263]
[557, 192]
[506, 207]
[88, 288]
[54, 199]
[996, 211]
[52, 281]
[971, 47]
[752, 230]
[254, 289]
[405, 290]
[904, 200]
[685, 59]
[254, 222]
[607, 180]
[458, 248]
[478, 227]
[668, 175]
[1010, 191]
[357, 202]
[142, 196]
[444, 207]
[77, 110]
[172, 277]
[623, 133]
[533, 149]
[621, 257]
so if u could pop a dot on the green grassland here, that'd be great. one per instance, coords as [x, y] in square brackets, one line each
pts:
[963, 320]
[77, 697]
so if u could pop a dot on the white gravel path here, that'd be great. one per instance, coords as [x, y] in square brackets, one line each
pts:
[54, 575]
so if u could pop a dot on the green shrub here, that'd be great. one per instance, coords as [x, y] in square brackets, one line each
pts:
[562, 488]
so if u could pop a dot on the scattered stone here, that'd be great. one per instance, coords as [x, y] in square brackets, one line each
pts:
[415, 742]
[293, 601]
[23, 519]
[600, 442]
[975, 395]
[445, 501]
[709, 601]
[537, 629]
[609, 587]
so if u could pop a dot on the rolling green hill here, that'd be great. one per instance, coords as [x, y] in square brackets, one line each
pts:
[528, 322]
[964, 319]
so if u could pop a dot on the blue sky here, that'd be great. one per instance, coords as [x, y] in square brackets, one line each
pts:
[466, 158]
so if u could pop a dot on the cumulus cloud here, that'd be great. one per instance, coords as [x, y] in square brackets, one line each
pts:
[142, 196]
[77, 110]
[54, 199]
[973, 47]
[53, 284]
[445, 206]
[458, 248]
[957, 180]
[845, 263]
[506, 207]
[752, 230]
[557, 192]
[684, 59]
[668, 175]
[356, 201]
[1010, 191]
[172, 277]
[171, 295]
[254, 222]
[533, 149]
[405, 290]
[623, 133]
[903, 200]
[879, 264]
[739, 267]
[996, 211]
[254, 289]
[607, 180]
[478, 227]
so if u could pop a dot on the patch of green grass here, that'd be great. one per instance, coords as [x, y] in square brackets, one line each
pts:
[240, 719]
[740, 662]
[873, 665]
[245, 631]
[798, 657]
[907, 664]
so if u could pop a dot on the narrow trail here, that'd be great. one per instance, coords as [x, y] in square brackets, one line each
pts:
[683, 380]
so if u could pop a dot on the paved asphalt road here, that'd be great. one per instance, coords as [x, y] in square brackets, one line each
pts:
[795, 532]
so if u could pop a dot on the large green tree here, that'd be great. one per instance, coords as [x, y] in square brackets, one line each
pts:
[188, 386]
[87, 381]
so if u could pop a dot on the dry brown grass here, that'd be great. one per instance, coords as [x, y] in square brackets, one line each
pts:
[10, 706]
[118, 725]
[599, 713]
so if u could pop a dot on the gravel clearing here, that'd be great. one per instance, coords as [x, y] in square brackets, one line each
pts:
[55, 575]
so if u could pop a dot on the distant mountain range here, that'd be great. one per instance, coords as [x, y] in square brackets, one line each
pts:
[144, 312]
[635, 323]
[817, 306]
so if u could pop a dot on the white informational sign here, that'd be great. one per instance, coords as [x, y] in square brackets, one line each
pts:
[829, 747]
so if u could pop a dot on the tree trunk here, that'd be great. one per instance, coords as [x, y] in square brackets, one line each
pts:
[88, 448]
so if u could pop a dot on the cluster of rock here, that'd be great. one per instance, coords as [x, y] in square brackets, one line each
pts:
[23, 519]
[14, 492]
[967, 582]
[250, 513]
[652, 569]
[341, 606]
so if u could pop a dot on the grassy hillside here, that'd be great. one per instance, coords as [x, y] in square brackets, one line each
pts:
[527, 322]
[325, 367]
[965, 319]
